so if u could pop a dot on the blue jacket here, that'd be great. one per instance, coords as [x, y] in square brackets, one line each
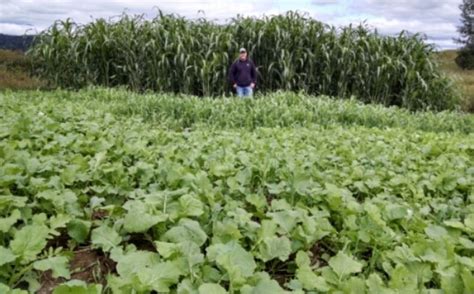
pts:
[243, 73]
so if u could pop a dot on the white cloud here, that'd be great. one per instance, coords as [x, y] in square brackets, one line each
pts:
[435, 18]
[42, 13]
[15, 29]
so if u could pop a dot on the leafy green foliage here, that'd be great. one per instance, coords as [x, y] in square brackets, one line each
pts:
[292, 51]
[335, 208]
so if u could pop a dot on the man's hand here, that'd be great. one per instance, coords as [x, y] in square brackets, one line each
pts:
[252, 85]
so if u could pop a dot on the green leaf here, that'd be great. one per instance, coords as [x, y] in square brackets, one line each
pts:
[267, 287]
[6, 256]
[469, 222]
[141, 222]
[395, 211]
[344, 265]
[167, 249]
[8, 222]
[354, 285]
[233, 258]
[286, 219]
[468, 244]
[29, 241]
[59, 221]
[161, 276]
[138, 220]
[78, 287]
[190, 206]
[133, 261]
[310, 280]
[376, 285]
[186, 230]
[187, 287]
[210, 288]
[302, 259]
[105, 237]
[79, 230]
[436, 232]
[275, 247]
[58, 264]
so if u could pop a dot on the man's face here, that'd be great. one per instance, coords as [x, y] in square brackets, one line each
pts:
[243, 55]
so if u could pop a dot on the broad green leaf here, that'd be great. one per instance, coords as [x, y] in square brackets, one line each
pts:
[29, 241]
[275, 247]
[58, 264]
[286, 219]
[79, 230]
[105, 237]
[187, 287]
[186, 231]
[344, 265]
[167, 249]
[141, 222]
[436, 232]
[78, 287]
[190, 206]
[9, 201]
[8, 222]
[469, 222]
[267, 287]
[402, 278]
[6, 256]
[5, 289]
[468, 262]
[310, 280]
[209, 288]
[302, 259]
[468, 280]
[161, 276]
[394, 211]
[376, 285]
[138, 220]
[354, 285]
[59, 221]
[133, 262]
[233, 258]
[468, 244]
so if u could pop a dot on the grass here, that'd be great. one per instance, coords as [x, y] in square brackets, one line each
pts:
[464, 78]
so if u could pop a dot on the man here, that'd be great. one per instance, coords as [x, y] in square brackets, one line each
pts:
[243, 74]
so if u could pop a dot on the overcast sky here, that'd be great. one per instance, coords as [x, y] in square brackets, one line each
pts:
[435, 18]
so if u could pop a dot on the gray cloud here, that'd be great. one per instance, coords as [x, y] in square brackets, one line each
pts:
[435, 18]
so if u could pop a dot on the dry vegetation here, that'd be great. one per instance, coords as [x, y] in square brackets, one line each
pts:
[464, 78]
[14, 68]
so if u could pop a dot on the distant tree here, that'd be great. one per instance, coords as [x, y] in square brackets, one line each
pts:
[15, 42]
[465, 57]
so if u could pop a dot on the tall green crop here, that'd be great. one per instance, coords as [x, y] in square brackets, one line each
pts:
[292, 52]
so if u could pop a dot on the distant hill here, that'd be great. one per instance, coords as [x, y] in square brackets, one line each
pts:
[15, 42]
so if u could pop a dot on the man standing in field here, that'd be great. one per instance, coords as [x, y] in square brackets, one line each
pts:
[243, 74]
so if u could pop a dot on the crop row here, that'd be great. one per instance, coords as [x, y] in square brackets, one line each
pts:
[349, 209]
[281, 109]
[293, 52]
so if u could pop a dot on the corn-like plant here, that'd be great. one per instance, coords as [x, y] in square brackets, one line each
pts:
[292, 52]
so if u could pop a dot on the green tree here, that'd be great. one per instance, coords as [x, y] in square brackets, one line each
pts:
[465, 58]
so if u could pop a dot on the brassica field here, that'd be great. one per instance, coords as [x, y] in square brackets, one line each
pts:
[108, 191]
